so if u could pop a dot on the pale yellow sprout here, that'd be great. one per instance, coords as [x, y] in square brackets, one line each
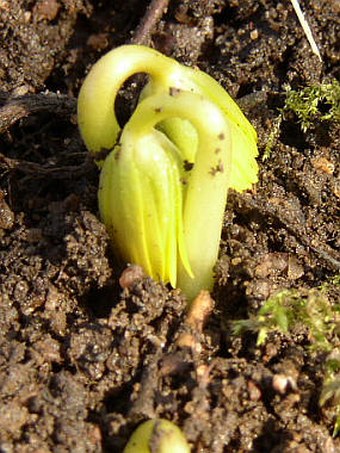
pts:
[157, 436]
[164, 184]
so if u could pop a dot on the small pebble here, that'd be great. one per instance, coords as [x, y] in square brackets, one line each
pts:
[282, 384]
[131, 275]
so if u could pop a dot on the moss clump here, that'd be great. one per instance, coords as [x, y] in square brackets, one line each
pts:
[290, 309]
[319, 102]
[311, 104]
[330, 393]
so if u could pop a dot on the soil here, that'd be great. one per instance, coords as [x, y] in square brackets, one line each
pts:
[83, 361]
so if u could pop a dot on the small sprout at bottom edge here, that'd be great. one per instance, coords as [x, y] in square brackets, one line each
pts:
[157, 436]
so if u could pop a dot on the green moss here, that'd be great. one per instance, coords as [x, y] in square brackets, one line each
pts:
[330, 393]
[291, 309]
[318, 102]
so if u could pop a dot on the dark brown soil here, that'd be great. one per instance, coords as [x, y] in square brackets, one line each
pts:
[83, 362]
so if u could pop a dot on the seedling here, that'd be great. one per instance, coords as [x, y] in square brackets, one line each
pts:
[157, 436]
[164, 181]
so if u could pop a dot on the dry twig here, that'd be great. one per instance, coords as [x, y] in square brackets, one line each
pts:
[153, 14]
[15, 108]
[306, 28]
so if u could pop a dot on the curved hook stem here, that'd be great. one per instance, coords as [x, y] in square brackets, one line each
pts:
[96, 102]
